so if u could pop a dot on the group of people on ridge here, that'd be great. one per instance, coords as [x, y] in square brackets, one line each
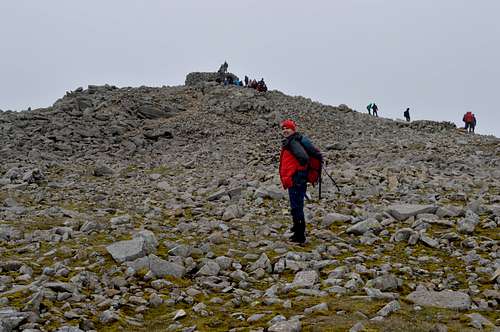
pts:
[257, 85]
[372, 107]
[230, 80]
[469, 118]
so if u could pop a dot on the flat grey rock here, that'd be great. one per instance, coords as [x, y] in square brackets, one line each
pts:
[120, 220]
[128, 250]
[370, 224]
[321, 307]
[61, 286]
[272, 192]
[305, 279]
[332, 218]
[162, 268]
[446, 299]
[404, 211]
[286, 326]
[210, 268]
[385, 282]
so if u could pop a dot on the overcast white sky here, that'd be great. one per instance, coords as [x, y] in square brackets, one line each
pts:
[438, 57]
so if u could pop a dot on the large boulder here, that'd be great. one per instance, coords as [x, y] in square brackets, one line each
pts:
[468, 224]
[404, 211]
[129, 250]
[385, 282]
[446, 299]
[162, 268]
[159, 267]
[10, 319]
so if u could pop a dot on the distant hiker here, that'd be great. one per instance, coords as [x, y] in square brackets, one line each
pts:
[300, 162]
[369, 108]
[407, 114]
[472, 126]
[246, 80]
[468, 119]
[223, 68]
[253, 84]
[375, 109]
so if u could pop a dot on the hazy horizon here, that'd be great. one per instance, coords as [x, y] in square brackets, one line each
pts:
[438, 58]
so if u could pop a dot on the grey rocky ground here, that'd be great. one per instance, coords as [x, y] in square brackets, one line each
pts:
[160, 208]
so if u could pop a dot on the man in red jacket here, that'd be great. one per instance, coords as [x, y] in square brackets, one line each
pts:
[294, 160]
[468, 119]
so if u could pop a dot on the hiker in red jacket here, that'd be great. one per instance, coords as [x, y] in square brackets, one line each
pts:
[297, 152]
[468, 119]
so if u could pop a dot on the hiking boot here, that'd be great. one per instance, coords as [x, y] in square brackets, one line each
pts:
[299, 234]
[298, 239]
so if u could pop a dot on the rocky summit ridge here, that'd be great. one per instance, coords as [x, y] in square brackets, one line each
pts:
[161, 208]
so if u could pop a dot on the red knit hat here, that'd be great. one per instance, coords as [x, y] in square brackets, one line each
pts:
[289, 124]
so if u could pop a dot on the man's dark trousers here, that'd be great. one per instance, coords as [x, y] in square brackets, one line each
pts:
[296, 194]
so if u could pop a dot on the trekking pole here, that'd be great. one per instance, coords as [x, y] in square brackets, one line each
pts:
[320, 181]
[335, 183]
